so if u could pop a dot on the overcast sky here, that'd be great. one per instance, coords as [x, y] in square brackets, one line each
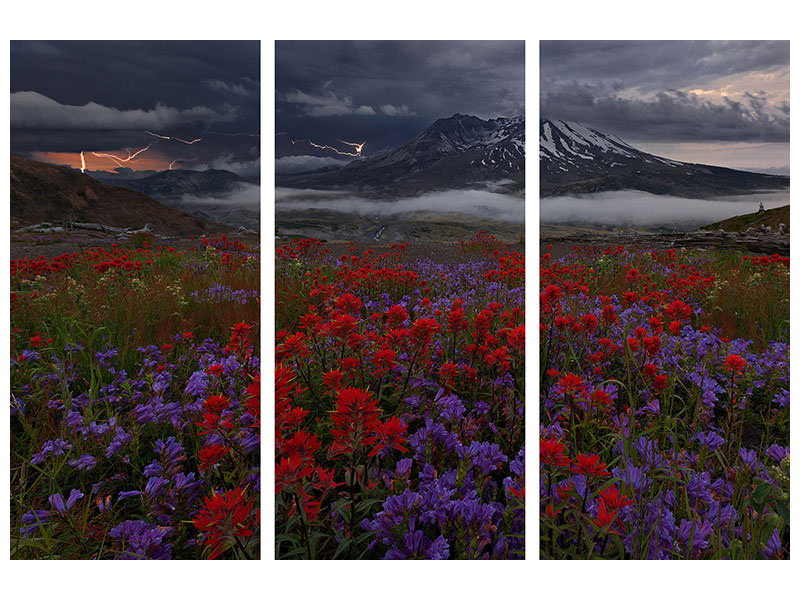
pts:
[103, 97]
[724, 103]
[385, 92]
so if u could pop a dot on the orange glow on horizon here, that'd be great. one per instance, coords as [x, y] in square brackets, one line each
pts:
[103, 161]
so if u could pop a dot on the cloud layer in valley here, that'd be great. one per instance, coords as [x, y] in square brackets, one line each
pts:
[475, 203]
[643, 210]
[239, 208]
[289, 165]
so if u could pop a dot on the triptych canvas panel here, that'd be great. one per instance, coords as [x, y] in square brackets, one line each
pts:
[397, 398]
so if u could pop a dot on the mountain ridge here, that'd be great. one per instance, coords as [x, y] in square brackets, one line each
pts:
[457, 152]
[178, 182]
[577, 159]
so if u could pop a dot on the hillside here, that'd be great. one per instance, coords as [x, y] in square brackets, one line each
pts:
[769, 218]
[42, 192]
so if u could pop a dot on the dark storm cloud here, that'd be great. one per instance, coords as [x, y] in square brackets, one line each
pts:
[386, 92]
[671, 116]
[31, 110]
[665, 90]
[99, 95]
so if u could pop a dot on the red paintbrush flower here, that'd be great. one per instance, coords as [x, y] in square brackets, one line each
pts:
[354, 420]
[333, 379]
[605, 517]
[303, 444]
[396, 316]
[223, 518]
[613, 499]
[216, 404]
[290, 470]
[212, 422]
[254, 400]
[551, 452]
[211, 455]
[389, 434]
[570, 384]
[734, 363]
[215, 370]
[589, 465]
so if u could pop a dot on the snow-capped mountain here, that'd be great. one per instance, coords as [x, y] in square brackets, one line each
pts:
[458, 152]
[574, 158]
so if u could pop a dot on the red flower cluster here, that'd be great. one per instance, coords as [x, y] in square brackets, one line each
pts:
[224, 518]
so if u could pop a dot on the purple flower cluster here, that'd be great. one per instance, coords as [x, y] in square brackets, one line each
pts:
[699, 452]
[109, 432]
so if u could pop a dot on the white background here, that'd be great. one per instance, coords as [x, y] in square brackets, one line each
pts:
[357, 19]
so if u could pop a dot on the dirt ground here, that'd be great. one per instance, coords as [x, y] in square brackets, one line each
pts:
[55, 244]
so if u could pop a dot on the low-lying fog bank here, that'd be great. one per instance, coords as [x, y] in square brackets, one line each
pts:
[643, 210]
[476, 203]
[240, 208]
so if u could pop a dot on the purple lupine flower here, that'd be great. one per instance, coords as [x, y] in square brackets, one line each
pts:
[698, 487]
[104, 358]
[631, 475]
[432, 434]
[161, 382]
[484, 456]
[86, 462]
[773, 548]
[709, 439]
[249, 441]
[33, 519]
[777, 452]
[121, 437]
[724, 513]
[517, 465]
[57, 501]
[154, 468]
[696, 532]
[128, 494]
[56, 447]
[156, 487]
[438, 550]
[141, 540]
[450, 407]
[17, 405]
[197, 384]
[29, 356]
[782, 398]
[172, 454]
[749, 458]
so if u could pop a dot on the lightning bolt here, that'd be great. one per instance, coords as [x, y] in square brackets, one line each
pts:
[177, 139]
[358, 146]
[121, 161]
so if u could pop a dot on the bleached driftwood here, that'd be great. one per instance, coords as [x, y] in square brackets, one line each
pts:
[47, 227]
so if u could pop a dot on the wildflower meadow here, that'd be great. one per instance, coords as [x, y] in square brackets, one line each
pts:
[399, 401]
[135, 415]
[664, 405]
